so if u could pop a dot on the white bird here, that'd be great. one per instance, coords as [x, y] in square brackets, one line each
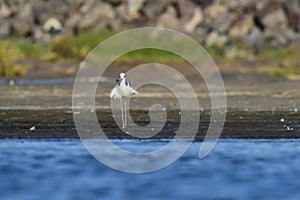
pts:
[121, 91]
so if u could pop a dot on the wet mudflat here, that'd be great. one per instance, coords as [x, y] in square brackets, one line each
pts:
[60, 124]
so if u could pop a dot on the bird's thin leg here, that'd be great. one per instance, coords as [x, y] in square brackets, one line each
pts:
[121, 101]
[125, 119]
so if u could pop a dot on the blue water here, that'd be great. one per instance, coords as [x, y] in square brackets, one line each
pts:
[235, 169]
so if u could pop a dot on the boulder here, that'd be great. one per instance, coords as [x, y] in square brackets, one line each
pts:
[212, 12]
[186, 9]
[200, 34]
[190, 15]
[216, 38]
[73, 22]
[152, 8]
[121, 11]
[275, 19]
[271, 13]
[242, 26]
[97, 15]
[292, 9]
[279, 38]
[196, 19]
[5, 29]
[52, 26]
[169, 19]
[263, 8]
[224, 21]
[21, 27]
[134, 6]
[255, 39]
[5, 11]
[43, 11]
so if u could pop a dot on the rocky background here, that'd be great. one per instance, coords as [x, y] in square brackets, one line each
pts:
[38, 37]
[256, 22]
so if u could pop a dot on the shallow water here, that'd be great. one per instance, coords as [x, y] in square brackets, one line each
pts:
[235, 169]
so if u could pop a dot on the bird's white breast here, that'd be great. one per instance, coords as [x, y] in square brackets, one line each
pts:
[125, 90]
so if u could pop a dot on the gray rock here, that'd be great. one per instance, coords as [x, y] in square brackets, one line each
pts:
[242, 27]
[292, 9]
[5, 29]
[196, 19]
[169, 19]
[224, 21]
[279, 38]
[5, 10]
[233, 5]
[134, 6]
[97, 15]
[42, 11]
[276, 19]
[21, 27]
[217, 21]
[73, 22]
[216, 38]
[215, 10]
[255, 39]
[200, 34]
[52, 26]
[190, 15]
[186, 9]
[152, 8]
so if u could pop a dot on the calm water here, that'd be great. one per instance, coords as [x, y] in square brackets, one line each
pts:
[235, 169]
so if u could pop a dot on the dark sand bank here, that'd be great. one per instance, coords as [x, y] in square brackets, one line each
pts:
[258, 107]
[59, 124]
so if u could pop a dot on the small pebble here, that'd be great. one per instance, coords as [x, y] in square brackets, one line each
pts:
[11, 82]
[32, 128]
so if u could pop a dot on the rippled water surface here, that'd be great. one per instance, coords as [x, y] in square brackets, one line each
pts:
[235, 169]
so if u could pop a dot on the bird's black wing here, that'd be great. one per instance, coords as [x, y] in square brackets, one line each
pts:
[118, 81]
[127, 83]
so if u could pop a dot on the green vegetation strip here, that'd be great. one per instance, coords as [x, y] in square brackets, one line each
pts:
[13, 51]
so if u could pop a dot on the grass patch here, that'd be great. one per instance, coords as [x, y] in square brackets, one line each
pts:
[77, 47]
[279, 53]
[31, 49]
[89, 39]
[9, 55]
[62, 48]
[151, 55]
[215, 50]
[285, 73]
